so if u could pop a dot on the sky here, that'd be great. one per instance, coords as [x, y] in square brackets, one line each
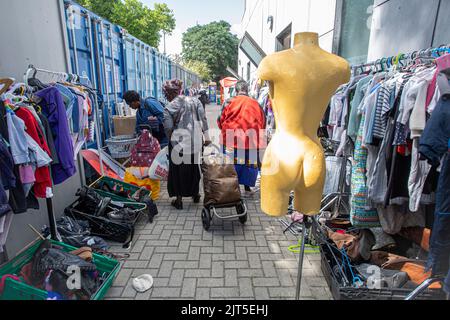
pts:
[190, 12]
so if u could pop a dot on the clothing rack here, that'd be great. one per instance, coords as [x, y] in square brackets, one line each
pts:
[311, 222]
[73, 78]
[61, 76]
[401, 58]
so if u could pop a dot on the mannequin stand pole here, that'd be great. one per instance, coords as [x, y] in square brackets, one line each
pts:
[305, 226]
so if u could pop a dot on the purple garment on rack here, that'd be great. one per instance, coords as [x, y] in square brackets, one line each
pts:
[53, 107]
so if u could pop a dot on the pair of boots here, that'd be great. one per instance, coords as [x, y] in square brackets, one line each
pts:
[178, 203]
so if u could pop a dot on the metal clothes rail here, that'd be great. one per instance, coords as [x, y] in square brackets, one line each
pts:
[402, 58]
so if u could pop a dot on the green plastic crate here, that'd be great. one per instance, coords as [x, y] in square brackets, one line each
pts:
[20, 291]
[97, 185]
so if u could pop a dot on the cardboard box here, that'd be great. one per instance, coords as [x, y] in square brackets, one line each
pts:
[124, 126]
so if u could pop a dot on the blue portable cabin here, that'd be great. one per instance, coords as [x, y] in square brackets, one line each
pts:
[140, 66]
[96, 51]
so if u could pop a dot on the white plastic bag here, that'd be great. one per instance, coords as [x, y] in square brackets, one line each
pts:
[159, 170]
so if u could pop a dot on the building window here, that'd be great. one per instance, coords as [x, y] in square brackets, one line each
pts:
[353, 20]
[252, 50]
[248, 71]
[284, 39]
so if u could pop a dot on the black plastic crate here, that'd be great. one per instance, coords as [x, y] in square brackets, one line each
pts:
[103, 227]
[339, 292]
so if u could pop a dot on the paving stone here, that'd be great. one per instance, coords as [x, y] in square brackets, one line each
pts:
[203, 294]
[231, 278]
[236, 264]
[266, 282]
[246, 288]
[146, 253]
[210, 282]
[250, 273]
[166, 269]
[123, 277]
[254, 261]
[241, 253]
[174, 241]
[155, 261]
[228, 247]
[194, 253]
[166, 293]
[205, 261]
[176, 278]
[189, 288]
[186, 265]
[139, 246]
[224, 292]
[224, 257]
[269, 269]
[175, 257]
[114, 292]
[261, 293]
[198, 273]
[135, 264]
[160, 282]
[218, 269]
[129, 291]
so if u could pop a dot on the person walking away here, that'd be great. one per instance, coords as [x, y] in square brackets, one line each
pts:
[186, 127]
[149, 113]
[203, 97]
[243, 124]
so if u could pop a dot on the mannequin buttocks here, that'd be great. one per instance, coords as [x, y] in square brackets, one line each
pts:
[302, 82]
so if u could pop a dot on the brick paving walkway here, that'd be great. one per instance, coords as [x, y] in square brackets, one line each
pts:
[231, 261]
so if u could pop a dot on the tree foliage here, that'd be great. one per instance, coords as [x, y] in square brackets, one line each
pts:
[212, 44]
[139, 20]
[200, 68]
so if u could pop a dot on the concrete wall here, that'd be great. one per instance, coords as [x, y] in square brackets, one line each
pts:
[33, 34]
[305, 15]
[408, 25]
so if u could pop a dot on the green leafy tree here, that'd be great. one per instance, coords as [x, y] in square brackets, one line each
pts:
[139, 20]
[200, 68]
[212, 44]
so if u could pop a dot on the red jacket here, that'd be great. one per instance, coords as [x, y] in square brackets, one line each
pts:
[245, 118]
[42, 175]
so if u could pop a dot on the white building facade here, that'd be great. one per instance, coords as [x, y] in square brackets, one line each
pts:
[272, 24]
[357, 30]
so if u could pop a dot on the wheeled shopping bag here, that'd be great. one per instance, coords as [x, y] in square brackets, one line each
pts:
[222, 190]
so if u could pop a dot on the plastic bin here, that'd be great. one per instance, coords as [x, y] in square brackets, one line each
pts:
[15, 290]
[349, 293]
[98, 185]
[103, 227]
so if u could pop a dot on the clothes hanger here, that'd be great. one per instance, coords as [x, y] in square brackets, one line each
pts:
[5, 84]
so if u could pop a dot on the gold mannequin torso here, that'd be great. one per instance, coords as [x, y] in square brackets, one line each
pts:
[302, 82]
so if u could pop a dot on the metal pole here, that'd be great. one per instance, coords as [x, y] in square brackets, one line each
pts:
[111, 43]
[97, 111]
[300, 261]
[135, 66]
[108, 98]
[75, 52]
[51, 220]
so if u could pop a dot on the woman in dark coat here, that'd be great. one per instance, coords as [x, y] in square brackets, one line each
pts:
[186, 127]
